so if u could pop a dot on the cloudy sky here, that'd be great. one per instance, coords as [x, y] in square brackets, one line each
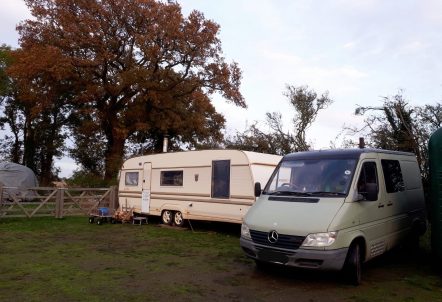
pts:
[359, 51]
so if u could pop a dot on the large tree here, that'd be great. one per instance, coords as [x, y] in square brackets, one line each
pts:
[11, 119]
[396, 125]
[307, 105]
[35, 107]
[138, 69]
[276, 141]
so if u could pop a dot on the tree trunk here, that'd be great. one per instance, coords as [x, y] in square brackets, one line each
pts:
[113, 155]
[46, 175]
[47, 158]
[29, 147]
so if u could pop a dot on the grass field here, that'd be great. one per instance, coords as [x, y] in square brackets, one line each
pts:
[44, 259]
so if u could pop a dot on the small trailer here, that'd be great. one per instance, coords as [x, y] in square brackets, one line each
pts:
[101, 215]
[213, 185]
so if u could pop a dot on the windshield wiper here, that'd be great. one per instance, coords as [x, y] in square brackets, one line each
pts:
[327, 193]
[290, 193]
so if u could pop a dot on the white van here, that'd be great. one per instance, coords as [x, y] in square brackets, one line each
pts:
[335, 209]
[216, 185]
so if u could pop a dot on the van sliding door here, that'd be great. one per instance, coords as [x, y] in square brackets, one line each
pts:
[221, 179]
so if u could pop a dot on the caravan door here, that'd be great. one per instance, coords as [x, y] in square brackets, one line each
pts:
[145, 196]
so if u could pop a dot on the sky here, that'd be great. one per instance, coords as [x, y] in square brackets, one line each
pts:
[358, 51]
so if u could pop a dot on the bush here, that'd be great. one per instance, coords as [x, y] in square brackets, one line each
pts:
[89, 180]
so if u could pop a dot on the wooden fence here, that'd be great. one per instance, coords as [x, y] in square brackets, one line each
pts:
[57, 202]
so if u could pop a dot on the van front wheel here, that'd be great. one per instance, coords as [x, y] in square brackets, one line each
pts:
[353, 265]
[166, 217]
[178, 219]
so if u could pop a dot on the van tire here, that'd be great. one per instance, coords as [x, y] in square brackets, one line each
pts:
[353, 264]
[412, 242]
[167, 217]
[178, 219]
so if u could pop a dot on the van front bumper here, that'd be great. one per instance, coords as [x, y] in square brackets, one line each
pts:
[302, 258]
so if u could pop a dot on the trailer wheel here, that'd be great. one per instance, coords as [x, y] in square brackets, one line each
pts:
[178, 219]
[99, 221]
[91, 219]
[353, 265]
[166, 217]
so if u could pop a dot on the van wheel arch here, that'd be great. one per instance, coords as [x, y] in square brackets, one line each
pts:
[356, 256]
[418, 228]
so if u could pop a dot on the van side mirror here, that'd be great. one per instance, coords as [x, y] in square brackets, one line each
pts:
[257, 189]
[372, 191]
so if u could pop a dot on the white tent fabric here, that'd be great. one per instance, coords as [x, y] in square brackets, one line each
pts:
[19, 177]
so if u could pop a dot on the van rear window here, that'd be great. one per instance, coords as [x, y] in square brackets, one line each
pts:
[394, 181]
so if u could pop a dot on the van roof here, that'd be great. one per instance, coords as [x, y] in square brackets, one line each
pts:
[340, 153]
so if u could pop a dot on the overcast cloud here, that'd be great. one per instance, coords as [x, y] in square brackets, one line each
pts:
[359, 51]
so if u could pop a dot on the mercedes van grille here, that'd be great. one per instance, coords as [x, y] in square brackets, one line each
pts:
[284, 241]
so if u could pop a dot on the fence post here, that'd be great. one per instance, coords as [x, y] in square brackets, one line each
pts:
[59, 203]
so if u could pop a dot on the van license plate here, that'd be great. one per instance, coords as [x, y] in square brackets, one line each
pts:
[272, 256]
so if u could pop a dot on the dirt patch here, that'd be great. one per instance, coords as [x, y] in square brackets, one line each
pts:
[71, 260]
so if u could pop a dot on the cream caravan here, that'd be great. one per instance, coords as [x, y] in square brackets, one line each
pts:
[216, 185]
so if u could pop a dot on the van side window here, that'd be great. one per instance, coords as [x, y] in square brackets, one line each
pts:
[221, 179]
[394, 181]
[171, 178]
[131, 179]
[368, 176]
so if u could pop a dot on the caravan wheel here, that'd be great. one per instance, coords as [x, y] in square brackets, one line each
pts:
[166, 217]
[178, 219]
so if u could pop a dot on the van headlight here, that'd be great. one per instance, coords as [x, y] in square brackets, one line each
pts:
[320, 239]
[245, 232]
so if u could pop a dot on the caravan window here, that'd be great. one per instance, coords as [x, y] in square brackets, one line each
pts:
[131, 179]
[221, 179]
[171, 178]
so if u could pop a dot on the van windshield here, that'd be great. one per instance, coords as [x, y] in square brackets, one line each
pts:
[312, 177]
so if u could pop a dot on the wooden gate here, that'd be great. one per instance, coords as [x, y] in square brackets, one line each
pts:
[57, 202]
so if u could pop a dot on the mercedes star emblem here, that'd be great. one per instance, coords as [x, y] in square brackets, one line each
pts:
[273, 236]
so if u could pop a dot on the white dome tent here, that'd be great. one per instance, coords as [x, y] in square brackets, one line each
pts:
[16, 179]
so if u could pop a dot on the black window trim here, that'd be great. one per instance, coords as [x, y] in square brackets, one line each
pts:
[212, 193]
[171, 185]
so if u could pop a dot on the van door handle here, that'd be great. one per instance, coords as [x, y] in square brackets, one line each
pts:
[380, 206]
[389, 204]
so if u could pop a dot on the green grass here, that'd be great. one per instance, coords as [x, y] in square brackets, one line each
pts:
[69, 259]
[46, 259]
